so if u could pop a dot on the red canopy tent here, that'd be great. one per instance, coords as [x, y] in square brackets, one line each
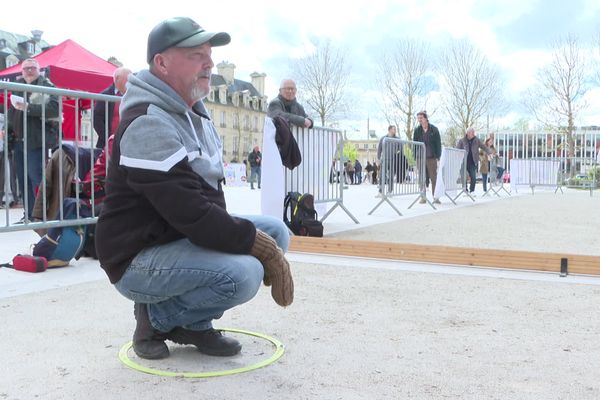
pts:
[70, 66]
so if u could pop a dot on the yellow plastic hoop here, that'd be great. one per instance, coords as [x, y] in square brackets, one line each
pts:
[279, 350]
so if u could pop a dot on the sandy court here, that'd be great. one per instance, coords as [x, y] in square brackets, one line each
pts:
[353, 332]
[358, 329]
[544, 222]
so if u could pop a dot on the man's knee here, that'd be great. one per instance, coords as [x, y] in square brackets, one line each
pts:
[247, 280]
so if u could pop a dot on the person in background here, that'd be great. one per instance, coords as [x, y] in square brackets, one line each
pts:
[286, 106]
[395, 168]
[357, 172]
[255, 160]
[489, 142]
[164, 236]
[430, 135]
[118, 88]
[472, 144]
[39, 112]
[484, 168]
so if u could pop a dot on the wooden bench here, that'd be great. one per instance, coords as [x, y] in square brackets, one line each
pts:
[550, 262]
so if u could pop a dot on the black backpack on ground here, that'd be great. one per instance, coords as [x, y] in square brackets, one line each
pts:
[300, 216]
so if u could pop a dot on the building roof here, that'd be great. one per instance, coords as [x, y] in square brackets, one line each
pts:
[12, 44]
[237, 85]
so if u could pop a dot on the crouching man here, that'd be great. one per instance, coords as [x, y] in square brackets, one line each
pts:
[164, 237]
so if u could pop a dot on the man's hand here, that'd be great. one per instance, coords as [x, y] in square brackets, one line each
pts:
[277, 269]
[307, 123]
[21, 106]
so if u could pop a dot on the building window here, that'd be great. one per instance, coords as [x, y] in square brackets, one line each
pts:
[223, 123]
[246, 145]
[30, 47]
[255, 124]
[246, 122]
[236, 121]
[366, 146]
[236, 145]
[223, 144]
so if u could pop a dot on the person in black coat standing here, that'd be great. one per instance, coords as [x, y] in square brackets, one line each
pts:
[286, 106]
[118, 88]
[255, 160]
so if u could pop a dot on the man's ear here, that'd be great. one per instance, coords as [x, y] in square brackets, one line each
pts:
[161, 62]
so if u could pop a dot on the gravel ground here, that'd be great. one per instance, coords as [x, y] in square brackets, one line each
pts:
[544, 222]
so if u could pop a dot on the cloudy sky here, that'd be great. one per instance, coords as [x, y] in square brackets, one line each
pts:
[268, 35]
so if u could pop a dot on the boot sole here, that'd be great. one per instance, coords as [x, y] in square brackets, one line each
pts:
[164, 353]
[227, 352]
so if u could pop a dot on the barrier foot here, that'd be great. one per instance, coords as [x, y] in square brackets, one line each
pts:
[451, 199]
[466, 194]
[339, 204]
[386, 199]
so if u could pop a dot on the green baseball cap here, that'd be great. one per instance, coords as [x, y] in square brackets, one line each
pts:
[182, 32]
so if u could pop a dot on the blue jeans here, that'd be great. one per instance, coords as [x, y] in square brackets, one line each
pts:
[500, 173]
[35, 165]
[472, 171]
[254, 174]
[188, 286]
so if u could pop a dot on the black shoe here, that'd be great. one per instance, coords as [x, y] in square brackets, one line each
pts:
[210, 341]
[148, 342]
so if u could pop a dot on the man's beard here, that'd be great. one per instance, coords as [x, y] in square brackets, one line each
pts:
[198, 93]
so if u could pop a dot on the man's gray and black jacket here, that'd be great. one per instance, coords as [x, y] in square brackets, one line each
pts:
[163, 180]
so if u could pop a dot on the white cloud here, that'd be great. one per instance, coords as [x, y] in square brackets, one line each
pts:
[267, 34]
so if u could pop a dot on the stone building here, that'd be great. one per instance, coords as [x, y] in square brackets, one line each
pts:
[15, 48]
[238, 109]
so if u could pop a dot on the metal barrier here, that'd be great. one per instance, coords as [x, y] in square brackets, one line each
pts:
[65, 98]
[452, 176]
[403, 172]
[319, 173]
[495, 174]
[535, 172]
[580, 173]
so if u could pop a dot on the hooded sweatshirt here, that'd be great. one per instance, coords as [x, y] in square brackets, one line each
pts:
[163, 181]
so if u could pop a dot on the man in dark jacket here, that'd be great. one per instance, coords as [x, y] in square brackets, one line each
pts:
[393, 160]
[164, 237]
[472, 144]
[255, 160]
[430, 135]
[286, 106]
[39, 110]
[118, 88]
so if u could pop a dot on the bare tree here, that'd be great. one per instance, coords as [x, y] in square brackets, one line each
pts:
[473, 83]
[403, 82]
[557, 97]
[452, 136]
[322, 78]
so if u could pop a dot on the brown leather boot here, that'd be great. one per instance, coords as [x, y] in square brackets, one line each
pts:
[148, 342]
[210, 341]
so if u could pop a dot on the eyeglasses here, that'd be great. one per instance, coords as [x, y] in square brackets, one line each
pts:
[30, 68]
[292, 89]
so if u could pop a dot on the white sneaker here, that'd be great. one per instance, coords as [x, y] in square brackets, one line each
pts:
[437, 201]
[422, 201]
